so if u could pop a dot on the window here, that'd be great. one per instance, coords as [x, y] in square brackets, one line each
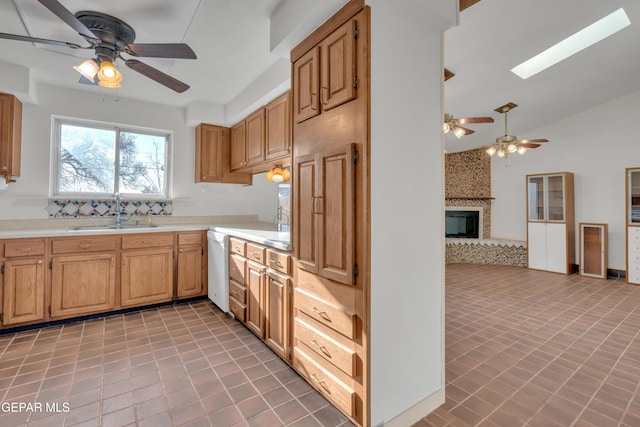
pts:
[92, 159]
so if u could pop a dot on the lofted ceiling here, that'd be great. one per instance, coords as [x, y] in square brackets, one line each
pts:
[234, 43]
[496, 35]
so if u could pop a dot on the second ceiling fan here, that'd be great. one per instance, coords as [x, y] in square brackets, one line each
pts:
[453, 124]
[509, 144]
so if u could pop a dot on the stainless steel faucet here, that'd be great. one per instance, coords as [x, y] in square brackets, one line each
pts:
[119, 211]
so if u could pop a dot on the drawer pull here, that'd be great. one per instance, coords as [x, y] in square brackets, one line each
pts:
[277, 263]
[256, 255]
[24, 249]
[321, 348]
[322, 314]
[85, 245]
[320, 382]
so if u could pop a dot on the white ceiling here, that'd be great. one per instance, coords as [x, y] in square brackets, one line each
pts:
[232, 41]
[496, 35]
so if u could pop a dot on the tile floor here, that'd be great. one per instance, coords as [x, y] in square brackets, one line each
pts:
[530, 348]
[182, 365]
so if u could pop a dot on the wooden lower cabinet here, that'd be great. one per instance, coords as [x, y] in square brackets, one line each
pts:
[191, 272]
[24, 285]
[277, 313]
[82, 284]
[259, 289]
[146, 277]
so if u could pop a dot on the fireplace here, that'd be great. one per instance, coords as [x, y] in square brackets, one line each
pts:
[463, 222]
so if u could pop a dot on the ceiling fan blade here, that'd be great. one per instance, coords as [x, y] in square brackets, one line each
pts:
[160, 50]
[63, 13]
[38, 40]
[157, 75]
[533, 140]
[467, 131]
[467, 120]
[528, 145]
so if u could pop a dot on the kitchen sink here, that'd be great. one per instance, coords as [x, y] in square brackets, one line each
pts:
[112, 227]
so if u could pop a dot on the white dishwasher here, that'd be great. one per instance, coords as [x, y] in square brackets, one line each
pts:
[219, 269]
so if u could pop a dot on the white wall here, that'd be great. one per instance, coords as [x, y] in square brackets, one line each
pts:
[27, 198]
[407, 275]
[596, 145]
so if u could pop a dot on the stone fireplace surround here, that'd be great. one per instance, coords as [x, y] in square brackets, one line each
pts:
[468, 184]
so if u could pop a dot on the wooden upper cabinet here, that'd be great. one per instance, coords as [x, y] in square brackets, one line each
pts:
[306, 84]
[325, 77]
[10, 135]
[278, 128]
[255, 138]
[238, 156]
[209, 144]
[325, 205]
[338, 77]
[213, 153]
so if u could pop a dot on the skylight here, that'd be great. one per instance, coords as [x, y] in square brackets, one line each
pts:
[573, 44]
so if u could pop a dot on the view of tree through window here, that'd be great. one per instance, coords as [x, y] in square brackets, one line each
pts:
[96, 160]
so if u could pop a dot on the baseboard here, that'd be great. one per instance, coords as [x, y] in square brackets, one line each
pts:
[418, 411]
[616, 274]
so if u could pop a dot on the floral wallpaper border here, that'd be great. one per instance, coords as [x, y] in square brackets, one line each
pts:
[96, 208]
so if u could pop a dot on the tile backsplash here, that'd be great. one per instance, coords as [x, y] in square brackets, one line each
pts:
[101, 208]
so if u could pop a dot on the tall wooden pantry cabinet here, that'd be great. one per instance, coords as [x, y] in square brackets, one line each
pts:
[633, 225]
[550, 222]
[330, 222]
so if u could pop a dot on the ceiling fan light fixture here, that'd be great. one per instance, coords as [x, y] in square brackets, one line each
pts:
[445, 127]
[522, 150]
[88, 68]
[491, 150]
[512, 148]
[108, 75]
[458, 132]
[502, 152]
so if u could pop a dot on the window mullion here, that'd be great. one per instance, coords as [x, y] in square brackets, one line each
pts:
[116, 175]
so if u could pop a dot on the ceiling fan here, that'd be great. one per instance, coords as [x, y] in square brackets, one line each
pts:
[509, 144]
[110, 37]
[452, 124]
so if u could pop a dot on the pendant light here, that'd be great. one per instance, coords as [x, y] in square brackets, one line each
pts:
[278, 174]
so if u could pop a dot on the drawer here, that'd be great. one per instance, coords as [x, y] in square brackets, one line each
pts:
[633, 259]
[238, 291]
[194, 239]
[634, 234]
[89, 244]
[634, 277]
[237, 246]
[26, 247]
[339, 355]
[339, 393]
[256, 253]
[333, 317]
[144, 241]
[237, 268]
[279, 261]
[237, 308]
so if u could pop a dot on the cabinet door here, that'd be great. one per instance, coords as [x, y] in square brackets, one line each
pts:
[555, 198]
[254, 133]
[593, 250]
[189, 271]
[147, 276]
[23, 290]
[536, 199]
[557, 248]
[336, 230]
[82, 284]
[633, 196]
[278, 128]
[306, 221]
[255, 298]
[338, 66]
[277, 313]
[237, 155]
[537, 245]
[306, 82]
[209, 154]
[10, 135]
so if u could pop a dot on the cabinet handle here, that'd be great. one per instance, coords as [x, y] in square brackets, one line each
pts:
[277, 263]
[322, 314]
[24, 249]
[40, 261]
[319, 381]
[204, 177]
[321, 348]
[85, 245]
[181, 250]
[313, 104]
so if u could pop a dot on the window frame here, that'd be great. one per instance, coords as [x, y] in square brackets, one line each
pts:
[56, 125]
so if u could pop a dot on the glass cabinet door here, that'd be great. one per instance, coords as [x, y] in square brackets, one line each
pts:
[535, 188]
[633, 193]
[546, 198]
[555, 198]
